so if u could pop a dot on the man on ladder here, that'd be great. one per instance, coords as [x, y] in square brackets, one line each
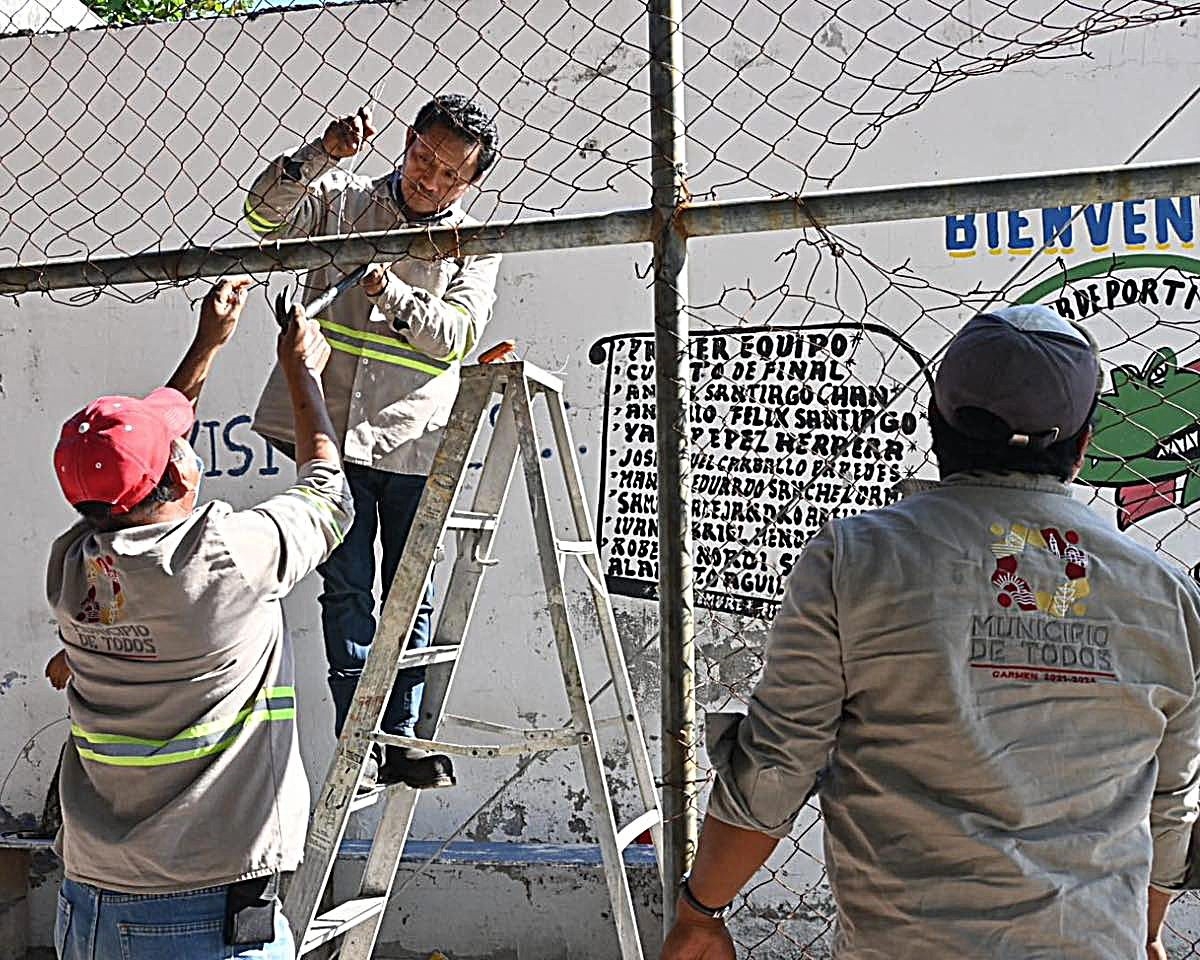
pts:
[398, 342]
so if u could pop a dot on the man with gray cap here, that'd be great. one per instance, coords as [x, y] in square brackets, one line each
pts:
[992, 690]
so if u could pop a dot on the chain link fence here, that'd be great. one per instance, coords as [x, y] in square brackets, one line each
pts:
[125, 141]
[870, 393]
[126, 154]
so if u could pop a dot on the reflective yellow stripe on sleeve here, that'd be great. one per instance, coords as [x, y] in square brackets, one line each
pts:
[258, 223]
[322, 503]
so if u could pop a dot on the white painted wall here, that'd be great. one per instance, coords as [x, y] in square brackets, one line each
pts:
[168, 124]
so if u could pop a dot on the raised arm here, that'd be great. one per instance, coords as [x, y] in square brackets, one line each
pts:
[446, 327]
[280, 541]
[1176, 801]
[303, 353]
[292, 196]
[219, 313]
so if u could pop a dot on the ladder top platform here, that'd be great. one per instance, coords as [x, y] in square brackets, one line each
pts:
[514, 369]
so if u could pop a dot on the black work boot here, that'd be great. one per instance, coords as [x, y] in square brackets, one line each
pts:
[417, 768]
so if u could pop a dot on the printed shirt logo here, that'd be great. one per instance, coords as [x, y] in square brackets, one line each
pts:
[1039, 633]
[101, 623]
[105, 597]
[1016, 591]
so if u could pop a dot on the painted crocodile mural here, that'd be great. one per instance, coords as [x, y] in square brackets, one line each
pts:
[1147, 440]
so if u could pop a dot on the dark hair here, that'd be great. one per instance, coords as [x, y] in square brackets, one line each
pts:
[957, 453]
[99, 516]
[464, 118]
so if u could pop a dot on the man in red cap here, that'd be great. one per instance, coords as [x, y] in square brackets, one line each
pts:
[183, 795]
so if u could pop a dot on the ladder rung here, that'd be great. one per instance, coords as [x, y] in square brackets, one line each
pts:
[468, 520]
[368, 799]
[631, 831]
[605, 723]
[425, 656]
[553, 740]
[343, 917]
[529, 733]
[576, 546]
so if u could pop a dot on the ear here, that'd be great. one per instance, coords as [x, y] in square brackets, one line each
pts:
[179, 483]
[410, 135]
[1085, 439]
[478, 175]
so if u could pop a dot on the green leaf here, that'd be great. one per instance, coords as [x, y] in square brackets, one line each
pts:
[120, 13]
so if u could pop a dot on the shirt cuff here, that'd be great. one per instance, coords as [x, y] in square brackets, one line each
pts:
[310, 162]
[744, 795]
[393, 302]
[318, 468]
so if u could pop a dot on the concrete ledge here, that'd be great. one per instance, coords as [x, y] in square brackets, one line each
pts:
[17, 926]
[504, 854]
[458, 852]
[21, 841]
[478, 901]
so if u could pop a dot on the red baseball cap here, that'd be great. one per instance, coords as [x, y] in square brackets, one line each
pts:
[116, 449]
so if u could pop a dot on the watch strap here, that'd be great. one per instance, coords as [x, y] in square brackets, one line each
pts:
[716, 913]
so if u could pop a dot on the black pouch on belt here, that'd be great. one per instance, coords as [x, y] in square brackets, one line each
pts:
[250, 907]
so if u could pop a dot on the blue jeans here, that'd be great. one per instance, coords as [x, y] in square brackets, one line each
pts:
[96, 924]
[384, 504]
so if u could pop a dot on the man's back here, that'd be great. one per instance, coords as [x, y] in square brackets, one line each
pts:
[1010, 665]
[182, 698]
[993, 691]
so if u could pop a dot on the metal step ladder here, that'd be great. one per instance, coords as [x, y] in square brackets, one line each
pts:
[520, 384]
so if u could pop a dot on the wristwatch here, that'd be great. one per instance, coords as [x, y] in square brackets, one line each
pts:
[715, 913]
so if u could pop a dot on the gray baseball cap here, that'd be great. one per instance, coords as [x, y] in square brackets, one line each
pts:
[1036, 372]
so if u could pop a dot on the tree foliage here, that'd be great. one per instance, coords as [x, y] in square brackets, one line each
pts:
[120, 13]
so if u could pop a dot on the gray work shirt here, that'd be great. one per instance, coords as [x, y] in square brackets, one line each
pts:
[393, 373]
[183, 768]
[993, 692]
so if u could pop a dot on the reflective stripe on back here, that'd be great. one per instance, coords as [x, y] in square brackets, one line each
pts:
[201, 740]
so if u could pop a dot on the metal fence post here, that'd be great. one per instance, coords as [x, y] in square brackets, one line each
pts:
[676, 618]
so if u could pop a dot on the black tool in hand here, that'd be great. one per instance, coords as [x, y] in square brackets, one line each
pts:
[283, 301]
[283, 309]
